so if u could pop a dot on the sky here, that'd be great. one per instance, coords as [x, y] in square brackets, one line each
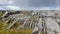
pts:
[29, 4]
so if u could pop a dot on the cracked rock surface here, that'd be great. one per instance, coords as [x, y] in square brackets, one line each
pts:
[34, 22]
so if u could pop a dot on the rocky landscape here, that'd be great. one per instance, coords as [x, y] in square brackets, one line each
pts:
[30, 22]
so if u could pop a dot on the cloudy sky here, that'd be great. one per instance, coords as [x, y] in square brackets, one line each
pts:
[29, 4]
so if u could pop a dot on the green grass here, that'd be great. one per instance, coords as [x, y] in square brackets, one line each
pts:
[3, 30]
[1, 14]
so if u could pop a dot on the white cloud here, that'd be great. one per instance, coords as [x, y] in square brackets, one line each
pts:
[42, 8]
[3, 1]
[6, 1]
[58, 8]
[10, 2]
[13, 8]
[47, 8]
[22, 5]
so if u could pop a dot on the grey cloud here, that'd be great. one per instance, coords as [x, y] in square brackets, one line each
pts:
[32, 4]
[20, 3]
[41, 3]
